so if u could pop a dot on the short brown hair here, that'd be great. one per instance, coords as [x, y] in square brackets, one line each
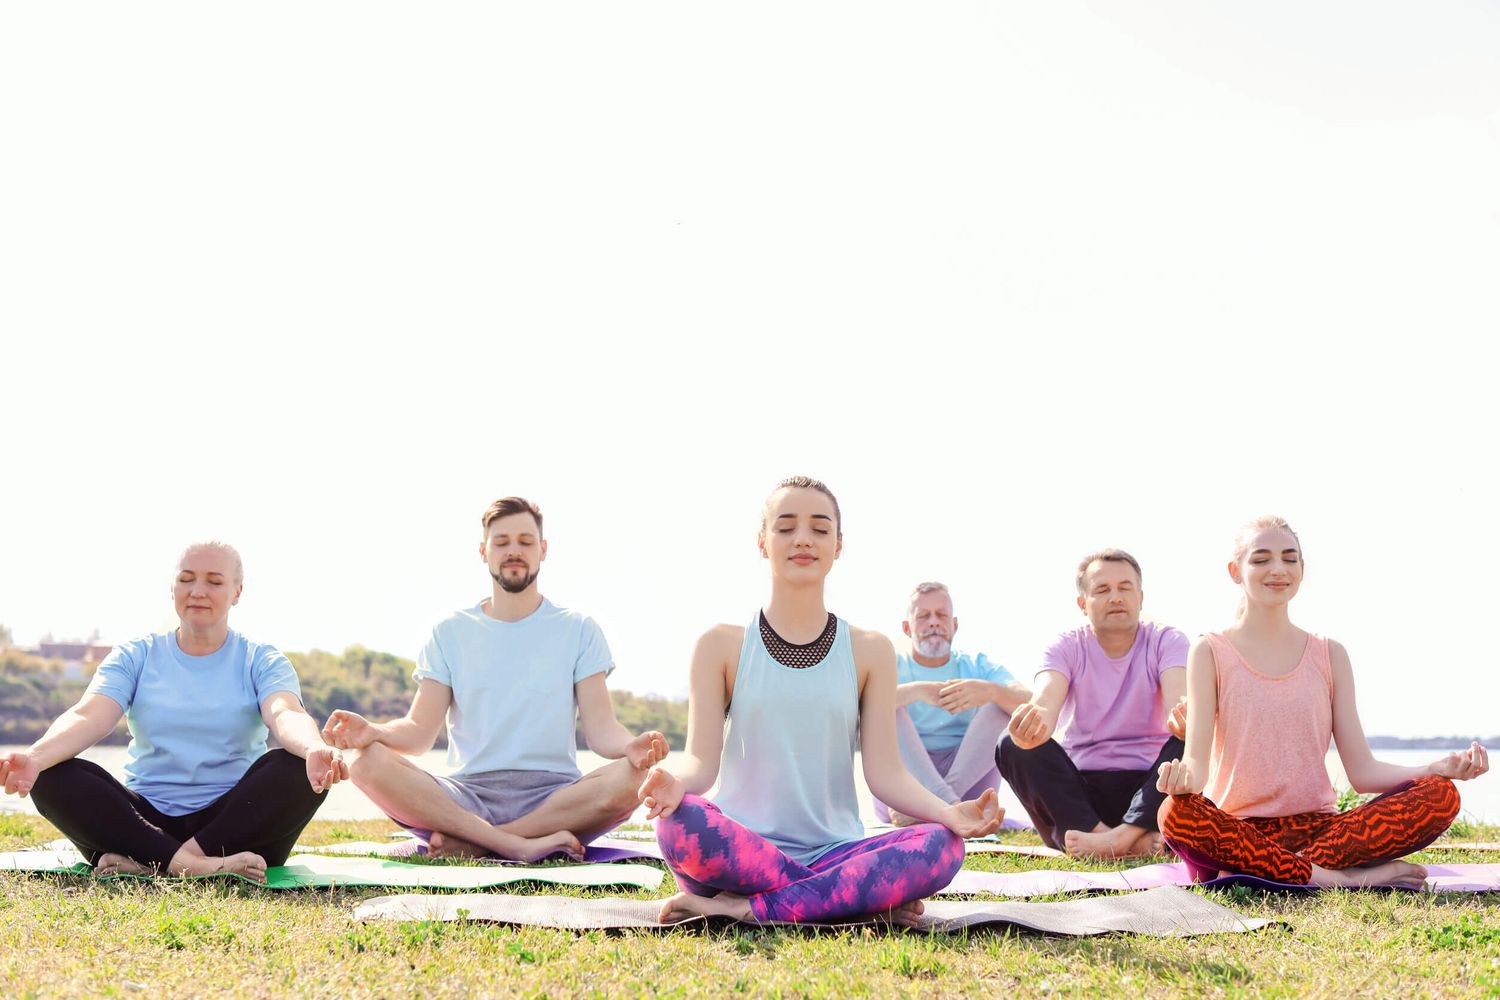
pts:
[506, 506]
[807, 483]
[1106, 555]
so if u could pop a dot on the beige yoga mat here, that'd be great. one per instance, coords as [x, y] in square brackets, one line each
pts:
[1164, 912]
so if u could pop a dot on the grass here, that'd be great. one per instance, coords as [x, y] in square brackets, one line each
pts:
[65, 937]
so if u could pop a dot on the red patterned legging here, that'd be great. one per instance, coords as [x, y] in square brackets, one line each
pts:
[711, 853]
[1284, 848]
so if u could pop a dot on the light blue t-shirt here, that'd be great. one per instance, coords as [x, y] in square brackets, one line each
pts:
[195, 723]
[940, 730]
[513, 705]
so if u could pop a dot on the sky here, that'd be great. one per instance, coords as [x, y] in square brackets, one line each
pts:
[1017, 280]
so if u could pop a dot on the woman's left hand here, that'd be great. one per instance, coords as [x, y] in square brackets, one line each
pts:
[975, 818]
[1462, 766]
[325, 768]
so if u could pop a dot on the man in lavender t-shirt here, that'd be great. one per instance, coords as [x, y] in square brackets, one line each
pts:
[1110, 689]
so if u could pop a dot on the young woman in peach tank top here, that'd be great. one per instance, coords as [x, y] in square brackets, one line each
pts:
[1264, 700]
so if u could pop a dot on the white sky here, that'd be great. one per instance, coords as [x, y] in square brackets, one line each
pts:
[1017, 280]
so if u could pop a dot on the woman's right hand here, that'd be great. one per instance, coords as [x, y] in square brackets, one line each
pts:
[661, 792]
[18, 772]
[976, 817]
[1175, 778]
[1463, 765]
[349, 731]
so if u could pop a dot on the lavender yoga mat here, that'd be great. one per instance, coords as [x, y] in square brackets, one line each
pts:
[1017, 885]
[601, 851]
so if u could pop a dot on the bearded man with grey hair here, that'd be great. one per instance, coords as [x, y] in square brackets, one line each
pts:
[952, 707]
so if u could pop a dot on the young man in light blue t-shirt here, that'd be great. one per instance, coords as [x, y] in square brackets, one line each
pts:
[952, 707]
[511, 675]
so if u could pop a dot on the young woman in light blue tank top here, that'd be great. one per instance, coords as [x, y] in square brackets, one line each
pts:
[778, 723]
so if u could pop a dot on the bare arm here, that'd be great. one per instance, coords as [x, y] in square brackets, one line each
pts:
[889, 781]
[1033, 722]
[1365, 773]
[914, 691]
[596, 715]
[295, 730]
[77, 729]
[1190, 775]
[710, 686]
[413, 733]
[1173, 688]
[963, 694]
[603, 732]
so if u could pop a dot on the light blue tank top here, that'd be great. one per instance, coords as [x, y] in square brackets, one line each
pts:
[788, 767]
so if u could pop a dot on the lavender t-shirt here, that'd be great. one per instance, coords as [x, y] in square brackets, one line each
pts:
[1112, 717]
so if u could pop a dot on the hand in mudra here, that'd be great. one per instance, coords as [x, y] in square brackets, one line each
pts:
[975, 818]
[646, 750]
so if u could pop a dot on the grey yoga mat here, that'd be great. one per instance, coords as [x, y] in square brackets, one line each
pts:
[1167, 911]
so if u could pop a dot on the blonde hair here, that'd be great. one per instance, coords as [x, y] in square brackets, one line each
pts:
[221, 547]
[1246, 535]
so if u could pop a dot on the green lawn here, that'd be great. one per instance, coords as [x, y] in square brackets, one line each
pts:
[66, 937]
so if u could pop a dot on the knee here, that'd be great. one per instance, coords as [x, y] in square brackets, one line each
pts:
[1175, 813]
[367, 762]
[950, 853]
[1008, 756]
[55, 780]
[1445, 798]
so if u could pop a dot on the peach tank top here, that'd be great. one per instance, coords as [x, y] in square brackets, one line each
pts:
[1272, 734]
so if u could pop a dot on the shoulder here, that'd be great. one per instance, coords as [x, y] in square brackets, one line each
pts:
[259, 654]
[1068, 645]
[722, 639]
[462, 618]
[132, 653]
[1168, 642]
[868, 642]
[1338, 656]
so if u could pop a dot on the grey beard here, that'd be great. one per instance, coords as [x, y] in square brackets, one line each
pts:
[511, 586]
[934, 646]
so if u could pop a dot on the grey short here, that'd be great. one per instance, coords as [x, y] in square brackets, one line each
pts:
[503, 796]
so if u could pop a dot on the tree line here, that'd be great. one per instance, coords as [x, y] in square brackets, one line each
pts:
[34, 691]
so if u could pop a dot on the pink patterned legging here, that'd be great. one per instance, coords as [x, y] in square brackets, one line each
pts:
[711, 853]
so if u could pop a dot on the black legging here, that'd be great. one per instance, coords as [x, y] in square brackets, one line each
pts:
[264, 812]
[1059, 797]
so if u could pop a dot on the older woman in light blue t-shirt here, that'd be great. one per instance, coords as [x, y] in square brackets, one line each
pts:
[202, 794]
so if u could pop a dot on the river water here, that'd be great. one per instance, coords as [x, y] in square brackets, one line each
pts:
[1481, 798]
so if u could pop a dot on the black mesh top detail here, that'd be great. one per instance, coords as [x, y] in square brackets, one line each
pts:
[790, 654]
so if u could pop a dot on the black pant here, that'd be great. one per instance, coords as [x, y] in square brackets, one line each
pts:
[263, 813]
[1060, 797]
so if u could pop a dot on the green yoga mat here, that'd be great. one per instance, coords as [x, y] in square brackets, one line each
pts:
[313, 871]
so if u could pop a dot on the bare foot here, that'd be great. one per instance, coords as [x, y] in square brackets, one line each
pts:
[1398, 873]
[536, 848]
[446, 845]
[901, 819]
[905, 915]
[1115, 843]
[118, 864]
[685, 906]
[248, 866]
[1148, 844]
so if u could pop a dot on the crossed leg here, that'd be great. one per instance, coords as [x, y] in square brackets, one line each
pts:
[1356, 848]
[727, 869]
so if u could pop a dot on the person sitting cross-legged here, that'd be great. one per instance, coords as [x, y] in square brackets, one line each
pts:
[952, 706]
[1112, 690]
[512, 675]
